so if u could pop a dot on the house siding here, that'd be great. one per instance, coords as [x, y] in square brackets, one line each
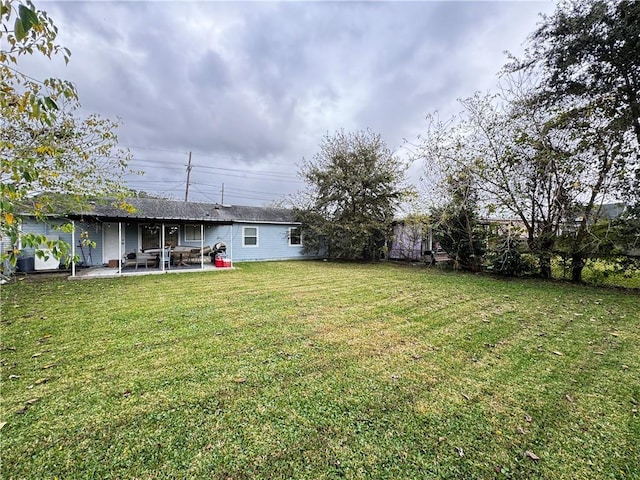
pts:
[95, 231]
[273, 244]
[221, 223]
[39, 228]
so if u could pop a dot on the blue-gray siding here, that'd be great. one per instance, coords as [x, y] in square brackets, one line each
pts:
[273, 239]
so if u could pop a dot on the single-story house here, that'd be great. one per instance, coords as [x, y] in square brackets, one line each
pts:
[104, 234]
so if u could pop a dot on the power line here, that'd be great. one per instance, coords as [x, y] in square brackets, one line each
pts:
[262, 174]
[196, 154]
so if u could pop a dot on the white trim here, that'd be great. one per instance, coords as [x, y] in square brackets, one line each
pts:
[257, 237]
[73, 248]
[119, 248]
[161, 257]
[201, 245]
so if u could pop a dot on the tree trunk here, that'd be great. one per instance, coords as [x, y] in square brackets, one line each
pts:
[545, 266]
[577, 265]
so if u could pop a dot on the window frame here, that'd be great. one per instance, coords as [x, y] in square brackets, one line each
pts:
[245, 236]
[172, 234]
[291, 244]
[197, 233]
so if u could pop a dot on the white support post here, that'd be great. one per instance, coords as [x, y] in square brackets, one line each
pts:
[119, 248]
[162, 248]
[202, 246]
[231, 245]
[73, 248]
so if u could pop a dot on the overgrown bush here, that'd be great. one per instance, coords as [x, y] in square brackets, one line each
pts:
[507, 259]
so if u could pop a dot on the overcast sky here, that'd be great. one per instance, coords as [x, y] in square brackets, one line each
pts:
[251, 87]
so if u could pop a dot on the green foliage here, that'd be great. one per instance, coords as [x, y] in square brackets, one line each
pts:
[50, 158]
[562, 136]
[586, 58]
[355, 185]
[456, 225]
[587, 52]
[507, 259]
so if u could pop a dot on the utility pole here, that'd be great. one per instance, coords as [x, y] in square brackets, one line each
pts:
[186, 192]
[222, 199]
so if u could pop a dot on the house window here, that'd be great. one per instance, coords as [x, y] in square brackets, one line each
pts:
[250, 236]
[295, 237]
[192, 233]
[151, 235]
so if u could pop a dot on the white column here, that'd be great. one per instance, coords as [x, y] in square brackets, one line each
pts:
[73, 248]
[162, 248]
[119, 248]
[202, 246]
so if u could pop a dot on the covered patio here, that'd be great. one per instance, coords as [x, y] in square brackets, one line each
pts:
[106, 272]
[166, 254]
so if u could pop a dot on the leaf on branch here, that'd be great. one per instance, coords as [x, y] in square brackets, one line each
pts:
[27, 17]
[19, 29]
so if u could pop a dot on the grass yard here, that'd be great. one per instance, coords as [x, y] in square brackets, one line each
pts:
[319, 370]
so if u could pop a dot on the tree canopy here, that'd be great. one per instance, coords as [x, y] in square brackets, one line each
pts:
[560, 137]
[355, 183]
[49, 155]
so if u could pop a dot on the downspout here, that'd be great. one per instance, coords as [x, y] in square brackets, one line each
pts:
[202, 246]
[73, 248]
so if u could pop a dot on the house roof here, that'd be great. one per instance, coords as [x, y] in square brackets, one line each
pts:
[611, 211]
[161, 209]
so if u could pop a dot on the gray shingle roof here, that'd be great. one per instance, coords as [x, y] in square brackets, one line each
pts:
[160, 209]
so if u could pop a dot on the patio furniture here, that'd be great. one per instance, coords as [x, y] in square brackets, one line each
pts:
[185, 254]
[140, 258]
[166, 256]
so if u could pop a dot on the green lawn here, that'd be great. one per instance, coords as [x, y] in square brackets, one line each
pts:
[319, 370]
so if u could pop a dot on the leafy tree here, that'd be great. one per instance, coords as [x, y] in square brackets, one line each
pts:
[554, 149]
[540, 163]
[508, 155]
[456, 224]
[507, 259]
[355, 185]
[49, 157]
[586, 57]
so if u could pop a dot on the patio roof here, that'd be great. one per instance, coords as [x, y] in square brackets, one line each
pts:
[161, 209]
